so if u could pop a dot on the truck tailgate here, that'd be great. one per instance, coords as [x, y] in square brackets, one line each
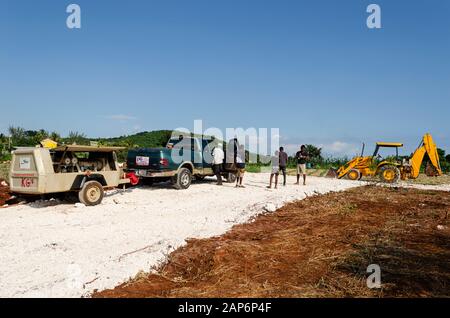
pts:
[144, 158]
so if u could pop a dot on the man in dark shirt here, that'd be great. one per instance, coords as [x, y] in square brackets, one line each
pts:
[283, 163]
[302, 157]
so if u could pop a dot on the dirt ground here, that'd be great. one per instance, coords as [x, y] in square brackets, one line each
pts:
[317, 247]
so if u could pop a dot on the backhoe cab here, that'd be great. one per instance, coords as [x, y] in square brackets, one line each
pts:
[391, 169]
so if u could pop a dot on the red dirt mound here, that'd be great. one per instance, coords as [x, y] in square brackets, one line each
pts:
[318, 247]
[5, 195]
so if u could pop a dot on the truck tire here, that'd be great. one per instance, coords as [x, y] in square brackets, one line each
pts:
[147, 181]
[91, 193]
[182, 180]
[231, 177]
[389, 174]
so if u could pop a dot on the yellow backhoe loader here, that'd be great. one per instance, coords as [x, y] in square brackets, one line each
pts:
[391, 170]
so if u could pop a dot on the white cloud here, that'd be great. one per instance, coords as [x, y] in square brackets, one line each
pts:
[340, 148]
[333, 148]
[291, 149]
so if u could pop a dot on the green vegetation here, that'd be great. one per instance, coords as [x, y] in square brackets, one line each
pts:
[444, 160]
[250, 167]
[75, 138]
[20, 137]
[317, 161]
[5, 154]
[146, 139]
[4, 171]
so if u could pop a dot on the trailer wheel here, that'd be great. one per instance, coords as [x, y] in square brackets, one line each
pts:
[91, 194]
[183, 179]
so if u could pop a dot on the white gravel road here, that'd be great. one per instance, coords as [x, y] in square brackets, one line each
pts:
[58, 249]
[54, 249]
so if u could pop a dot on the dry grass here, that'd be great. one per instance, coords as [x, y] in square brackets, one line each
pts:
[422, 179]
[318, 247]
[311, 172]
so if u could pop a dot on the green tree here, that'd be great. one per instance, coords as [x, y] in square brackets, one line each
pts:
[55, 136]
[445, 165]
[315, 154]
[24, 138]
[17, 135]
[77, 138]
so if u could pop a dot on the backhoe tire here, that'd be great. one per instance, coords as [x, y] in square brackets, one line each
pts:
[389, 174]
[354, 174]
[91, 193]
[183, 179]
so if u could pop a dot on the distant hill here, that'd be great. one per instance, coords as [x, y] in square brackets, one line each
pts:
[21, 137]
[146, 139]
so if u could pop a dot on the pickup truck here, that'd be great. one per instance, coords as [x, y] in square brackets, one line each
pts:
[183, 159]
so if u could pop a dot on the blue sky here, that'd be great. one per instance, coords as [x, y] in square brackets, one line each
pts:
[311, 68]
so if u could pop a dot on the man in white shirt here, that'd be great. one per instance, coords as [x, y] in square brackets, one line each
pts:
[275, 169]
[218, 157]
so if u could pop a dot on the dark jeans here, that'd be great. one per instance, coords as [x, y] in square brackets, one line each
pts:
[217, 169]
[283, 171]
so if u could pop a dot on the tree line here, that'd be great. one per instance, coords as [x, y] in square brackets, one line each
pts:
[20, 137]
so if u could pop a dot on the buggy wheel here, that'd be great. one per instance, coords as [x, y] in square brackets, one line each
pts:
[91, 193]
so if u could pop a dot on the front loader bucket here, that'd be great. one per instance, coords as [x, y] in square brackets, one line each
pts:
[332, 173]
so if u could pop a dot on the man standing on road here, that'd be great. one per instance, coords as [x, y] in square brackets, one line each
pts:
[283, 163]
[302, 157]
[275, 169]
[218, 157]
[240, 165]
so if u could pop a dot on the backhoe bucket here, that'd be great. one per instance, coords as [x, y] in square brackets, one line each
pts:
[332, 173]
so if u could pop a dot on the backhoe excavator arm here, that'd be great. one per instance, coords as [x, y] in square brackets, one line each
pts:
[427, 146]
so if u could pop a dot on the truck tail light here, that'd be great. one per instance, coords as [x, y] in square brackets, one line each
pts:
[164, 162]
